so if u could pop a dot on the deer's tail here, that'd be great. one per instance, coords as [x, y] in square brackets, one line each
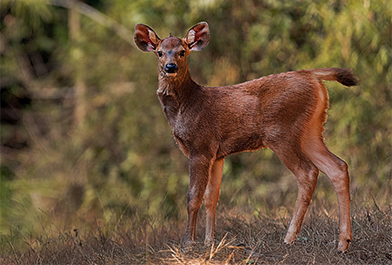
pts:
[342, 75]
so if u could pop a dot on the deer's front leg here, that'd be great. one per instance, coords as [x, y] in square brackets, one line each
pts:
[211, 198]
[199, 169]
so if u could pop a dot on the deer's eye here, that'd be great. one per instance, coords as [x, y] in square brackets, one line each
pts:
[182, 53]
[160, 54]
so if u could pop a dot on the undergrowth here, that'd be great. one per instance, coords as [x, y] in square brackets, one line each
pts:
[241, 239]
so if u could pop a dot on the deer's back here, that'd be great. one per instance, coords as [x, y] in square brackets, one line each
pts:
[247, 116]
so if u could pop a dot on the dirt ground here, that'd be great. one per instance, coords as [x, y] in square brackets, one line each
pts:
[240, 240]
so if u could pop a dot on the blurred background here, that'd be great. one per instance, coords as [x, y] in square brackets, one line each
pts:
[84, 140]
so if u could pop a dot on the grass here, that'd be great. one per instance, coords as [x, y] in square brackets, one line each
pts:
[241, 239]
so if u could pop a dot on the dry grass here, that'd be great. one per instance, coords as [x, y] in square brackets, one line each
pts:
[242, 240]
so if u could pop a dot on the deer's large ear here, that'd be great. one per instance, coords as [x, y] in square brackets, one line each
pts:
[198, 36]
[146, 38]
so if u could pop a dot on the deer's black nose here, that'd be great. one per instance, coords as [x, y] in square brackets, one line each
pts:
[171, 68]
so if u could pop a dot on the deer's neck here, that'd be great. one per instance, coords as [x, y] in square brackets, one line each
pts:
[179, 87]
[176, 96]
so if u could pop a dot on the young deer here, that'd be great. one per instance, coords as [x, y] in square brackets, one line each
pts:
[284, 112]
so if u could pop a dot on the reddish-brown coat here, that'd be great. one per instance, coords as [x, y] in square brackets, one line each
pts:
[284, 112]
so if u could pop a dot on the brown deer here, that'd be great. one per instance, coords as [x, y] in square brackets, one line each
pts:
[284, 112]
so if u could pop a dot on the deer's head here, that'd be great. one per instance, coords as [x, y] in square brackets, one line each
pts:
[172, 51]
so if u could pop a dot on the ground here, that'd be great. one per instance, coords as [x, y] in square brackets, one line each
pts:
[241, 239]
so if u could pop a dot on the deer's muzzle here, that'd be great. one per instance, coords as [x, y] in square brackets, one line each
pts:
[171, 68]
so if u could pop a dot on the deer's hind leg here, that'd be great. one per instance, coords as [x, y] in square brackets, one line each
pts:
[306, 174]
[312, 144]
[337, 171]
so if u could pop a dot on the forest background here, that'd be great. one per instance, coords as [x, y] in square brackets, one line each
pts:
[84, 141]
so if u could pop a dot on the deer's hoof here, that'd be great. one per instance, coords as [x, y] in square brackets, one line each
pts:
[290, 239]
[343, 245]
[209, 241]
[189, 245]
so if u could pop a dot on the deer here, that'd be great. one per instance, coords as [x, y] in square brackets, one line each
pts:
[284, 112]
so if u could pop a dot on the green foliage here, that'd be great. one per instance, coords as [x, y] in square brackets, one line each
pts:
[121, 162]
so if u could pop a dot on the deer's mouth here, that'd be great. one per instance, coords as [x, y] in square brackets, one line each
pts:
[171, 74]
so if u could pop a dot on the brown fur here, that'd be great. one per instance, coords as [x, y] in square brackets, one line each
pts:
[284, 112]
